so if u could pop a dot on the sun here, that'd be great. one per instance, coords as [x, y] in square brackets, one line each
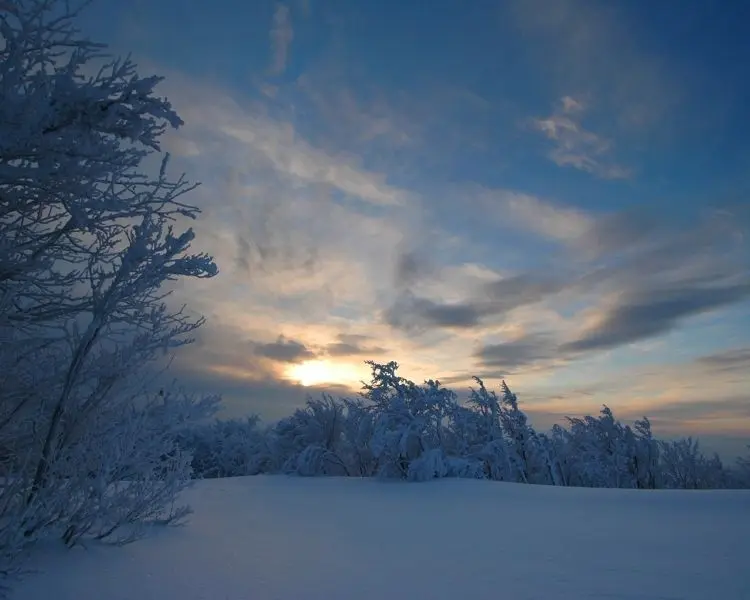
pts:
[317, 372]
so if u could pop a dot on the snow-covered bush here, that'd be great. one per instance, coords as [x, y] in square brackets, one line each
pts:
[227, 448]
[87, 242]
[310, 441]
[742, 472]
[359, 428]
[683, 466]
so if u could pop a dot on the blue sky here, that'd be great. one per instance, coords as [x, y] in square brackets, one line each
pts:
[554, 192]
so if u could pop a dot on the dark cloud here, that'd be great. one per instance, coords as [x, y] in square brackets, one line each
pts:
[653, 313]
[411, 268]
[636, 247]
[509, 356]
[627, 231]
[676, 415]
[412, 313]
[520, 290]
[663, 273]
[736, 359]
[353, 345]
[284, 350]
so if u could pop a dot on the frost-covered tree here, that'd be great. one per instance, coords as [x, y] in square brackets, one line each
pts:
[227, 448]
[495, 432]
[409, 424]
[310, 441]
[479, 435]
[398, 429]
[684, 466]
[531, 454]
[599, 452]
[358, 431]
[742, 475]
[646, 456]
[88, 239]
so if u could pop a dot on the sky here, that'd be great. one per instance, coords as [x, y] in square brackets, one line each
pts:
[553, 192]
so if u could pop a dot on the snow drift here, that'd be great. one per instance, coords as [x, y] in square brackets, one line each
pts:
[282, 538]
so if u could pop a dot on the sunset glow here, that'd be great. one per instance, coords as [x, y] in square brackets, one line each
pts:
[318, 372]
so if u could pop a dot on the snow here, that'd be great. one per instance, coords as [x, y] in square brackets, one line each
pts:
[286, 538]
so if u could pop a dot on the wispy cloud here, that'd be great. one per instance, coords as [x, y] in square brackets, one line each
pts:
[549, 219]
[216, 119]
[507, 357]
[281, 35]
[734, 359]
[494, 299]
[657, 311]
[621, 279]
[355, 115]
[297, 158]
[589, 47]
[575, 146]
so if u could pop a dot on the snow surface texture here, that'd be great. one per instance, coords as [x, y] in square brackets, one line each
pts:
[282, 538]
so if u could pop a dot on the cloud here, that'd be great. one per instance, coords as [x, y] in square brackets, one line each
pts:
[284, 350]
[297, 158]
[281, 35]
[412, 313]
[354, 345]
[735, 359]
[355, 116]
[589, 47]
[571, 105]
[654, 274]
[492, 299]
[304, 229]
[549, 219]
[575, 146]
[411, 268]
[734, 407]
[507, 357]
[654, 312]
[217, 125]
[322, 245]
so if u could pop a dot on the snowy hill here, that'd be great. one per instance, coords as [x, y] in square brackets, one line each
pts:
[282, 538]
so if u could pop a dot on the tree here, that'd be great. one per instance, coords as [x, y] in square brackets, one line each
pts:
[230, 448]
[88, 240]
[310, 441]
[743, 471]
[409, 424]
[480, 430]
[684, 466]
[600, 452]
[398, 429]
[646, 459]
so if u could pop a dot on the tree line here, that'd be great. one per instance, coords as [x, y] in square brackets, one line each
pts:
[398, 429]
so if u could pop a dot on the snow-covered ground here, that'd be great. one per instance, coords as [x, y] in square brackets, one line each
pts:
[346, 539]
